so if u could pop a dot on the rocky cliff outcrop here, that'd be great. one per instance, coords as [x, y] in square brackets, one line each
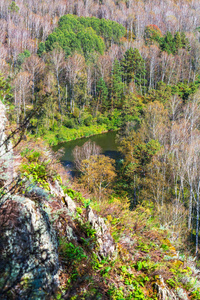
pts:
[31, 220]
[53, 247]
[29, 258]
[28, 243]
[6, 154]
[104, 239]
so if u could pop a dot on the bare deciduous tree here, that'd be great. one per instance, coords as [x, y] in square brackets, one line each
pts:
[85, 152]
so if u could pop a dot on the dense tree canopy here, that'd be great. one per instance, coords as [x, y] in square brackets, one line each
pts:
[83, 35]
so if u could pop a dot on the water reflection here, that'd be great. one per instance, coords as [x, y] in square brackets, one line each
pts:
[107, 141]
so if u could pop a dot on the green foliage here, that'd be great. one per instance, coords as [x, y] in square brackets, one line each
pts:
[21, 58]
[96, 263]
[171, 44]
[152, 33]
[178, 41]
[165, 247]
[36, 173]
[185, 90]
[13, 7]
[162, 93]
[5, 89]
[119, 294]
[141, 265]
[41, 49]
[128, 65]
[74, 195]
[63, 134]
[36, 170]
[87, 203]
[104, 272]
[71, 253]
[132, 110]
[168, 42]
[195, 295]
[144, 247]
[109, 30]
[143, 152]
[82, 35]
[171, 283]
[185, 42]
[114, 120]
[102, 95]
[133, 66]
[116, 87]
[31, 155]
[89, 231]
[79, 210]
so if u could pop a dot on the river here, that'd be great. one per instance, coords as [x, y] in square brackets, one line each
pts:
[105, 140]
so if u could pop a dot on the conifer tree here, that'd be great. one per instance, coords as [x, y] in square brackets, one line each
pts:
[168, 44]
[177, 41]
[128, 66]
[185, 42]
[102, 95]
[116, 88]
[133, 66]
[139, 69]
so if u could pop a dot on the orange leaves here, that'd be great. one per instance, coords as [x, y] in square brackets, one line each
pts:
[98, 173]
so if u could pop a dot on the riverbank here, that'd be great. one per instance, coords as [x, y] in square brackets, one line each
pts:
[64, 134]
[106, 141]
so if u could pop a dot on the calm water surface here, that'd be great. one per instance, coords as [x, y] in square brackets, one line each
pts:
[106, 141]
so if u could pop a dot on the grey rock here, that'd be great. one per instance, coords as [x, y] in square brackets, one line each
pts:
[104, 238]
[70, 233]
[163, 292]
[70, 204]
[6, 153]
[56, 189]
[28, 248]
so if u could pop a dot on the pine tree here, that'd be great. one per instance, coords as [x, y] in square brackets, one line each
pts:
[102, 95]
[177, 41]
[139, 69]
[133, 67]
[185, 42]
[128, 66]
[116, 87]
[168, 44]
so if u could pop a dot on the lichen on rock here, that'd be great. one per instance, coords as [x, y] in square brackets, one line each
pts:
[104, 238]
[6, 153]
[29, 258]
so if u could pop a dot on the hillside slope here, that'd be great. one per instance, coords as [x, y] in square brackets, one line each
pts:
[55, 246]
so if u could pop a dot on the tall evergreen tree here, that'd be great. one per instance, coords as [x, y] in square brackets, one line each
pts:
[139, 70]
[102, 95]
[185, 42]
[116, 86]
[133, 67]
[128, 66]
[177, 41]
[168, 44]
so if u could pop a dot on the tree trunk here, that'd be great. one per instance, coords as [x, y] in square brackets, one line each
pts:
[197, 221]
[58, 92]
[190, 208]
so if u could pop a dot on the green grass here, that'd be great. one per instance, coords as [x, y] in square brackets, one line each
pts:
[64, 134]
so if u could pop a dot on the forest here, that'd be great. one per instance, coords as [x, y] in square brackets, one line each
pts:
[81, 68]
